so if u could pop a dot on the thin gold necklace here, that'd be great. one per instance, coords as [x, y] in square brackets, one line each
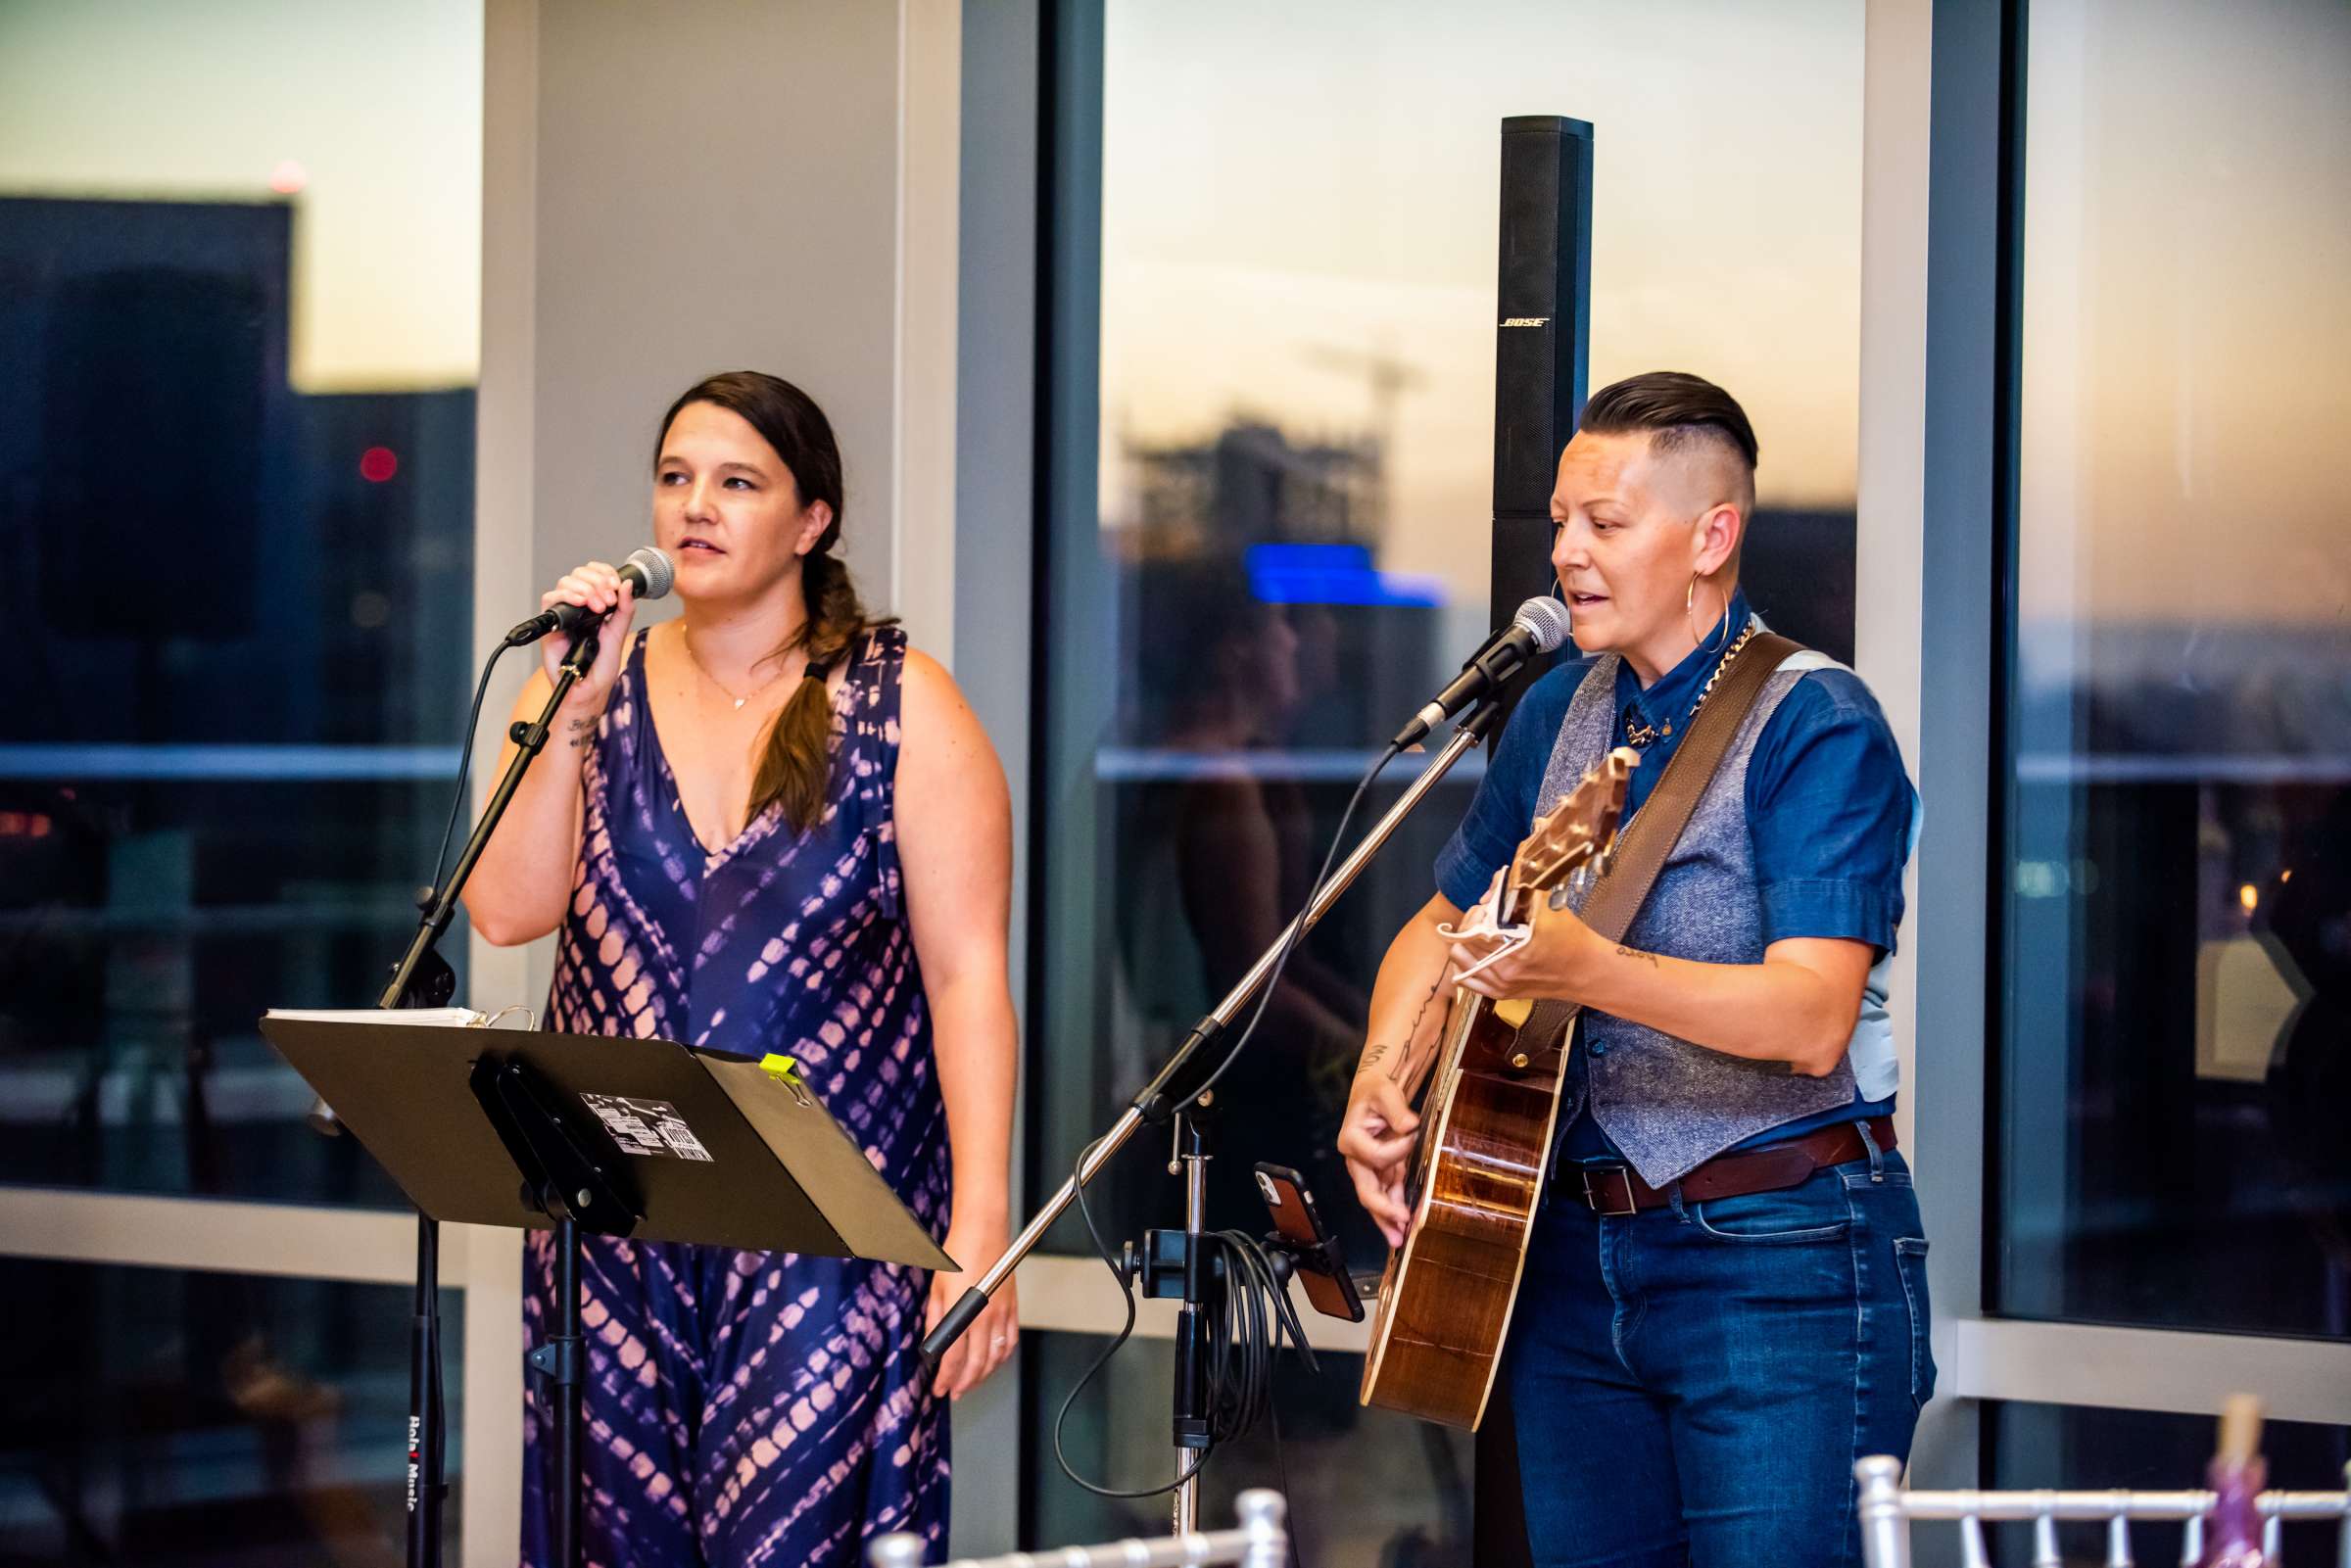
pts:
[1643, 735]
[687, 637]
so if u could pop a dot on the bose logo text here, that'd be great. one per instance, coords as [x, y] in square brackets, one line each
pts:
[1527, 321]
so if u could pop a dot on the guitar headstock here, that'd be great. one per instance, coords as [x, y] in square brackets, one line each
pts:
[1576, 833]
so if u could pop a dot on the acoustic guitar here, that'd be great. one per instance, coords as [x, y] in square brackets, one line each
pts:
[1486, 1126]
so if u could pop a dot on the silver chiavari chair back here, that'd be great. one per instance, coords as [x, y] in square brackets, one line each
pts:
[1887, 1509]
[1261, 1539]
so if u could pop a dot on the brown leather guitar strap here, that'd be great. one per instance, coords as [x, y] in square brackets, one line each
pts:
[1644, 844]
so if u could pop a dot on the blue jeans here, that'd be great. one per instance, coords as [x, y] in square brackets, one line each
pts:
[1693, 1384]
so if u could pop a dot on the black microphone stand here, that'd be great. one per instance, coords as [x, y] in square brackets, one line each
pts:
[424, 979]
[1166, 1097]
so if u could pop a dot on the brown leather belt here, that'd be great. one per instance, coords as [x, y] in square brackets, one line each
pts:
[1619, 1190]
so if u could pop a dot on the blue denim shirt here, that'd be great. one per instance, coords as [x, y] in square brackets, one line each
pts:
[1829, 805]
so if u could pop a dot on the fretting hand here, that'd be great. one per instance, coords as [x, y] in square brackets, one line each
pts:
[1553, 962]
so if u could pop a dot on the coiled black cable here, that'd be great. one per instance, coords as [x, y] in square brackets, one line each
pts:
[1247, 1321]
[1118, 1271]
[1247, 1317]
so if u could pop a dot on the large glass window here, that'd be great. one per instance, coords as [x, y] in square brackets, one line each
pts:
[2177, 969]
[1273, 449]
[239, 301]
[156, 1416]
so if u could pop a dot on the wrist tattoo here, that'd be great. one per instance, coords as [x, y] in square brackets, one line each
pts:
[1372, 1056]
[1627, 952]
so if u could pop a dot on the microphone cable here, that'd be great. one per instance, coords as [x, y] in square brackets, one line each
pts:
[1296, 931]
[474, 723]
[429, 893]
[1117, 1273]
[1250, 1316]
[1246, 1319]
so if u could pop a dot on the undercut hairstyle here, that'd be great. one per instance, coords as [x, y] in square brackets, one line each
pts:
[1677, 411]
[795, 758]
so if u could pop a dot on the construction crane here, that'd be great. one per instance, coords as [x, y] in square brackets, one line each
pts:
[1389, 378]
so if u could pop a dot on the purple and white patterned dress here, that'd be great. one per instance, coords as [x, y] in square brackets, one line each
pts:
[753, 1408]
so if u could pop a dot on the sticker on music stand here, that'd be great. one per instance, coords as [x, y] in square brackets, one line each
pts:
[647, 1127]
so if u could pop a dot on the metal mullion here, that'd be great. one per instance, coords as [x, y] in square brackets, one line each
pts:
[2106, 1367]
[298, 1241]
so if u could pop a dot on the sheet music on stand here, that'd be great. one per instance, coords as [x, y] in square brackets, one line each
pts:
[443, 1016]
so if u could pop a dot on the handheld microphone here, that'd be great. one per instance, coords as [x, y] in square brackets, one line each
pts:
[1540, 626]
[648, 571]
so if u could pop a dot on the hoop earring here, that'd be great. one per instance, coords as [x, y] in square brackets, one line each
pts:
[1689, 606]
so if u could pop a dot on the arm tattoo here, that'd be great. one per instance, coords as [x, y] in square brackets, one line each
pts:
[1626, 952]
[1407, 1067]
[1420, 1016]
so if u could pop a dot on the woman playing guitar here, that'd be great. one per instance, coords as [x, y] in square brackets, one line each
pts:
[1724, 1303]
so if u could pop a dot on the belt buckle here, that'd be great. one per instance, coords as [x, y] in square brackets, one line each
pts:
[1595, 1199]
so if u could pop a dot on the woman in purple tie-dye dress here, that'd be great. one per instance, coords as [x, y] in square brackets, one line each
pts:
[778, 828]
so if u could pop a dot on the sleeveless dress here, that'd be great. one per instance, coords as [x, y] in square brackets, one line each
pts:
[753, 1408]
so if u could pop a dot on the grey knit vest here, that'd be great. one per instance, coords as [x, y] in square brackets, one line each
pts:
[1670, 1105]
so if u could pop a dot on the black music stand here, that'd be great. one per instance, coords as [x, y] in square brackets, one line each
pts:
[613, 1136]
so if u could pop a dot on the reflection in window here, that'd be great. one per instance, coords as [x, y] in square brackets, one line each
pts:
[1283, 543]
[238, 304]
[2179, 906]
[181, 1419]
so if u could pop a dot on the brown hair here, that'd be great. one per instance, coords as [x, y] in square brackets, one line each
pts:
[795, 758]
[1676, 408]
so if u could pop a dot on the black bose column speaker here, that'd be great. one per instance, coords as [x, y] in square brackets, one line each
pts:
[1542, 341]
[1542, 335]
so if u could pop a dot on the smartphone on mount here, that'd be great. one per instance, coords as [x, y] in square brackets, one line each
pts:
[1321, 1266]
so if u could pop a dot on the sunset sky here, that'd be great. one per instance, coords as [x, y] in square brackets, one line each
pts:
[1280, 181]
[1289, 186]
[380, 104]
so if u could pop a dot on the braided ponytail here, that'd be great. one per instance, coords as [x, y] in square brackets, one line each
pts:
[796, 760]
[795, 757]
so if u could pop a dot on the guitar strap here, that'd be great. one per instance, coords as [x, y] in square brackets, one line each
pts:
[1645, 842]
